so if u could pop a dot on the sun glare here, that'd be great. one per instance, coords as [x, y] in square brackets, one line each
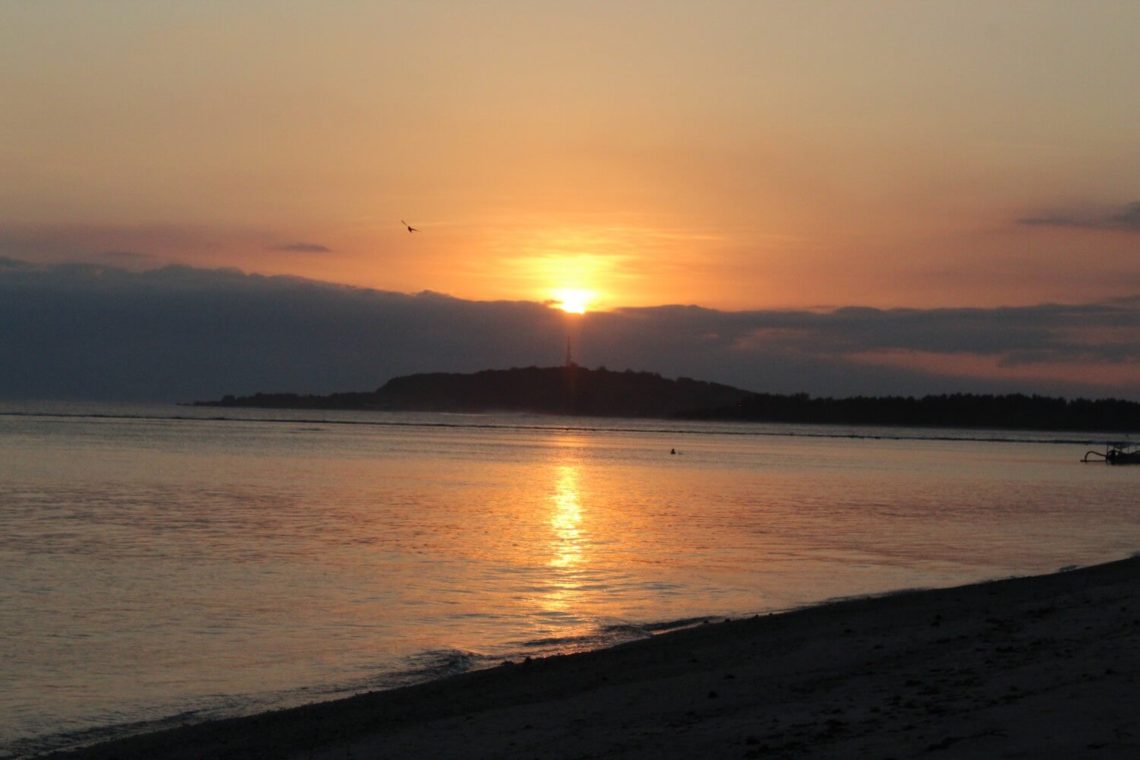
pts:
[573, 300]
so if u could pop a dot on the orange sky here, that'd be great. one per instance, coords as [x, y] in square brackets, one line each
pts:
[730, 154]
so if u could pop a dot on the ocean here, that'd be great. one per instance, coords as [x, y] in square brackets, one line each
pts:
[166, 564]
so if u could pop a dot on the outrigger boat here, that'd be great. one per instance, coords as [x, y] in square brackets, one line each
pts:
[1116, 453]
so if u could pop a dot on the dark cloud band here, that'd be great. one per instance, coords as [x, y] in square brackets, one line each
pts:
[179, 333]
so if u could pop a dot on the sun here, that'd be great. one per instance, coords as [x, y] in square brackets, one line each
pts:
[573, 300]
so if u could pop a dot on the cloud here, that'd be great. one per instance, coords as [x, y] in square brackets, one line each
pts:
[301, 247]
[1123, 218]
[1128, 217]
[10, 263]
[134, 244]
[122, 244]
[180, 333]
[125, 257]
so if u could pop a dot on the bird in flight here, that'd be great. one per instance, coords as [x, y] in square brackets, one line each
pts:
[410, 227]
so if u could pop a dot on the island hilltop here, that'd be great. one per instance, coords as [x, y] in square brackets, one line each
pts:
[575, 390]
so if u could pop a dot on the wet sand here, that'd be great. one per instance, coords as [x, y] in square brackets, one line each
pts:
[1029, 667]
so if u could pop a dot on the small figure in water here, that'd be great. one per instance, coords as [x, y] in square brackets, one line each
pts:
[672, 451]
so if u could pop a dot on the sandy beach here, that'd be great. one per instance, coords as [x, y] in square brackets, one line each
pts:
[1027, 667]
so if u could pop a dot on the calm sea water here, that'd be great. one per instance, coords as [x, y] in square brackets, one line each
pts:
[160, 564]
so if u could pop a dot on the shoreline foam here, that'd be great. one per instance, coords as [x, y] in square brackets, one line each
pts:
[1044, 666]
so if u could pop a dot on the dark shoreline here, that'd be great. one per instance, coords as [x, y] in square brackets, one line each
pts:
[574, 390]
[1046, 666]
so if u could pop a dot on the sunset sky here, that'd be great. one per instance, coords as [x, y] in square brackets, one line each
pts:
[738, 156]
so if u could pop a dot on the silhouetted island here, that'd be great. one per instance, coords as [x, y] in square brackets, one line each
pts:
[571, 390]
[574, 390]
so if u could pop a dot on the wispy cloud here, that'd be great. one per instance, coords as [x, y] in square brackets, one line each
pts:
[134, 245]
[125, 258]
[10, 263]
[1122, 218]
[82, 242]
[301, 247]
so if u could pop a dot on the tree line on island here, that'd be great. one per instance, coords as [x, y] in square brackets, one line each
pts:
[574, 390]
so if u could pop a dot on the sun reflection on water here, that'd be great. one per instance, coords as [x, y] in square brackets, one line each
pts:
[567, 541]
[566, 519]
